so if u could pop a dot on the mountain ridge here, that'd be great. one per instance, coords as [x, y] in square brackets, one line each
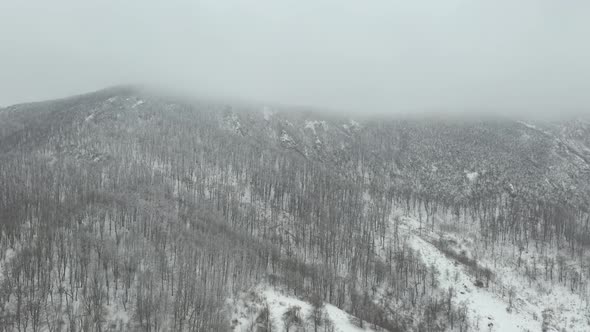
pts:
[179, 205]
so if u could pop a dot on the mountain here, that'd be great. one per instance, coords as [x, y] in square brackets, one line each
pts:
[129, 210]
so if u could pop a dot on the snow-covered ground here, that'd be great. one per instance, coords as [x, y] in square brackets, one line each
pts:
[536, 306]
[487, 311]
[472, 176]
[312, 124]
[5, 259]
[245, 310]
[287, 139]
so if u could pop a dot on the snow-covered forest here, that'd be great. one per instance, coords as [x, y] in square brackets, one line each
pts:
[122, 210]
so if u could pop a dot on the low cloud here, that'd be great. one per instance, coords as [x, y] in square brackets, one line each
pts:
[364, 56]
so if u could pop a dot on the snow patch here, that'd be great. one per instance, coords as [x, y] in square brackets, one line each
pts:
[138, 103]
[286, 138]
[488, 309]
[512, 302]
[352, 125]
[232, 122]
[472, 176]
[8, 255]
[484, 306]
[528, 125]
[313, 124]
[247, 308]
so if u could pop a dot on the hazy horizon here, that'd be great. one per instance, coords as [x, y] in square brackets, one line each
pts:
[379, 57]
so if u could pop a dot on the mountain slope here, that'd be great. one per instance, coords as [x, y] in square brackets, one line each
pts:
[127, 210]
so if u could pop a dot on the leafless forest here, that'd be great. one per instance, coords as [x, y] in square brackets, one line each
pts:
[122, 201]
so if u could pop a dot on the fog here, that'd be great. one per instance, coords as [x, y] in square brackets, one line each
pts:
[363, 56]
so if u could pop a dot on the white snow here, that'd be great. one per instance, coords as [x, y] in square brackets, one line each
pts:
[232, 122]
[286, 138]
[351, 125]
[8, 255]
[117, 317]
[485, 305]
[472, 176]
[312, 124]
[528, 125]
[138, 103]
[533, 127]
[89, 118]
[246, 309]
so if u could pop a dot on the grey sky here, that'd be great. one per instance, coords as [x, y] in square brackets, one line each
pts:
[362, 55]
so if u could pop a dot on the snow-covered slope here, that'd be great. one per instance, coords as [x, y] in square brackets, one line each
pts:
[509, 303]
[247, 308]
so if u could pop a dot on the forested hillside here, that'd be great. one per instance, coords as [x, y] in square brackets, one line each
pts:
[122, 210]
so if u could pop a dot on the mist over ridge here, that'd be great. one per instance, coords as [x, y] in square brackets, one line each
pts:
[526, 57]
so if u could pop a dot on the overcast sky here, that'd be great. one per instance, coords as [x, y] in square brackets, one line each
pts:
[360, 55]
